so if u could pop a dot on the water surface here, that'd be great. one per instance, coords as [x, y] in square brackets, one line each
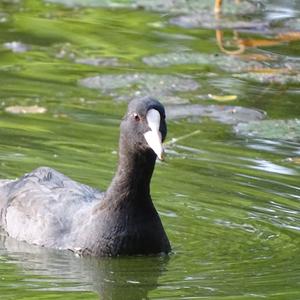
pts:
[229, 201]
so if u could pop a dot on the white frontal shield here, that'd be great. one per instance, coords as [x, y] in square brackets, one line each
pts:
[153, 136]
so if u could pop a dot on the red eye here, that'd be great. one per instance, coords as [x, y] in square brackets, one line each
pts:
[136, 117]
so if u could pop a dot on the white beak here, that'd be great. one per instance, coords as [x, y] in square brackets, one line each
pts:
[153, 136]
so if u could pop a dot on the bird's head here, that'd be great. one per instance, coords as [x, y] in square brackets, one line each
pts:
[144, 126]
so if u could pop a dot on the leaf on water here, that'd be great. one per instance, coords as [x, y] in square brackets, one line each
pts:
[124, 86]
[19, 109]
[224, 98]
[271, 129]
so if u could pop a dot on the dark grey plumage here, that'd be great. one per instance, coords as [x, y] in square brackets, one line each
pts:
[49, 209]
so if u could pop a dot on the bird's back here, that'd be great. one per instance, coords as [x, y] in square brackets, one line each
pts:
[45, 208]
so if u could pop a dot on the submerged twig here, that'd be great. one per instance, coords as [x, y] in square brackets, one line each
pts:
[218, 5]
[175, 140]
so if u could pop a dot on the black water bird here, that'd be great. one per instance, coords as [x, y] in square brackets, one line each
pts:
[49, 209]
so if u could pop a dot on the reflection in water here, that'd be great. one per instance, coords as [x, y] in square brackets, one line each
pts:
[113, 278]
[268, 166]
[220, 41]
[241, 44]
[230, 204]
[218, 5]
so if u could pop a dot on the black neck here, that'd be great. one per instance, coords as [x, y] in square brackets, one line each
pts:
[133, 176]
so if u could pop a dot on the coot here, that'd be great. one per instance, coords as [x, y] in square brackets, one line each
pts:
[49, 209]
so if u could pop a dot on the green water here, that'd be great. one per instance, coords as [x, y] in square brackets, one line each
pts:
[229, 202]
